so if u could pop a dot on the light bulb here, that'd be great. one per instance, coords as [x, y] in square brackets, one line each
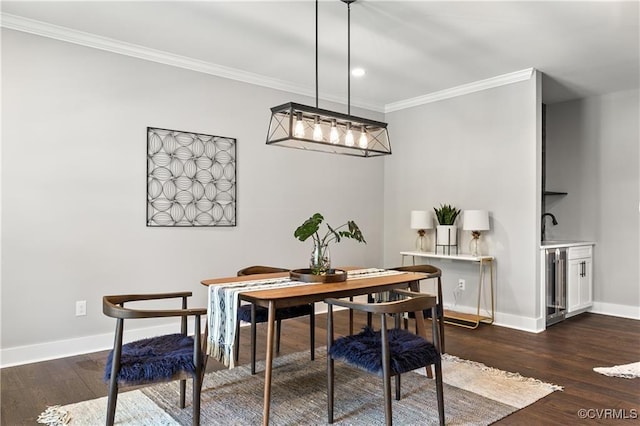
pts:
[348, 139]
[334, 137]
[299, 130]
[364, 141]
[317, 130]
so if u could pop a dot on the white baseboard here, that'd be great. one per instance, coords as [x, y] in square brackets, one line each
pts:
[615, 310]
[82, 345]
[28, 354]
[531, 325]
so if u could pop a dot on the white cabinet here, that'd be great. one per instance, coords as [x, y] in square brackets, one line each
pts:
[579, 279]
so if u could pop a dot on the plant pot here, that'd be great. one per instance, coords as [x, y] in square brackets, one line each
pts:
[447, 235]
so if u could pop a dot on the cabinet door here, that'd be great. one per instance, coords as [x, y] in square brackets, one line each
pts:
[579, 284]
[573, 284]
[586, 284]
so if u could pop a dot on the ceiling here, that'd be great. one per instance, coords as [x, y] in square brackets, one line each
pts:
[408, 48]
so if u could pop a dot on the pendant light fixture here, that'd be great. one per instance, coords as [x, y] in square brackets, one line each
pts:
[300, 126]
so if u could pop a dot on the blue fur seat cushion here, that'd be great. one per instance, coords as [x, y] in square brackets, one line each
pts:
[364, 350]
[153, 359]
[262, 314]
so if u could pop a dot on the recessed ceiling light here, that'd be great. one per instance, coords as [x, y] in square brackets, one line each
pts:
[358, 72]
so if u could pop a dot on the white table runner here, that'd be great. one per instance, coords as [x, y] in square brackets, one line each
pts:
[222, 312]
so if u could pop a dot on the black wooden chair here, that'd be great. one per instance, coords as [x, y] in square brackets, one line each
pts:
[156, 359]
[257, 314]
[388, 352]
[432, 273]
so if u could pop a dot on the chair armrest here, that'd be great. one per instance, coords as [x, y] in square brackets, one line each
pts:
[122, 298]
[431, 271]
[415, 302]
[112, 306]
[409, 293]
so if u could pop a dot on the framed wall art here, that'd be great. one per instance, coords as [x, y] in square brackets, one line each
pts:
[191, 179]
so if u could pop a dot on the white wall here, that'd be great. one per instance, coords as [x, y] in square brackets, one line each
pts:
[477, 151]
[593, 154]
[74, 188]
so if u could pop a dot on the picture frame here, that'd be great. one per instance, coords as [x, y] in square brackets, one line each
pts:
[191, 179]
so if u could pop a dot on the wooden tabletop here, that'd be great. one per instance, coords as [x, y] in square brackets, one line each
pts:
[317, 292]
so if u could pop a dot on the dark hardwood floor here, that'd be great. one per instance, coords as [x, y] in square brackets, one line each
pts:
[565, 355]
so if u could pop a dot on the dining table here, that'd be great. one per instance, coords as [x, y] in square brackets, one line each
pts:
[356, 284]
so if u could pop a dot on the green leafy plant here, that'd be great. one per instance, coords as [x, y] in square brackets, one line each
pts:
[446, 214]
[320, 262]
[311, 228]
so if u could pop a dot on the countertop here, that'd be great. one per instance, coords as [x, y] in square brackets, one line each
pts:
[565, 243]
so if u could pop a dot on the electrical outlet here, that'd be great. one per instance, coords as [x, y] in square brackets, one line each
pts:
[461, 284]
[81, 308]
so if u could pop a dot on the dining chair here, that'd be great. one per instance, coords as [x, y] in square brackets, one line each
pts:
[388, 352]
[432, 273]
[253, 314]
[155, 359]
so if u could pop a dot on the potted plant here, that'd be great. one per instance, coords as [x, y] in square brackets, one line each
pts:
[446, 231]
[320, 261]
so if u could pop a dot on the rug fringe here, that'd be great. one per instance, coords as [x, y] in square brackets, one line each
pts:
[497, 372]
[54, 416]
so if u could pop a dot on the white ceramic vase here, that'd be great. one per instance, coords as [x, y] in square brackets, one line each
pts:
[447, 235]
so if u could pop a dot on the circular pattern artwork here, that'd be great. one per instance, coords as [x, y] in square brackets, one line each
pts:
[191, 179]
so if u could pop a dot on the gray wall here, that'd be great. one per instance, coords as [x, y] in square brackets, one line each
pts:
[74, 187]
[593, 155]
[477, 151]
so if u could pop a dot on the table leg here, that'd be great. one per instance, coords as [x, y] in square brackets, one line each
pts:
[351, 318]
[269, 363]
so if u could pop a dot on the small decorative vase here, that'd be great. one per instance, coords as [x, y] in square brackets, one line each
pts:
[320, 261]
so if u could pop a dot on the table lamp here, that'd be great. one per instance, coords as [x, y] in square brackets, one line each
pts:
[475, 221]
[421, 221]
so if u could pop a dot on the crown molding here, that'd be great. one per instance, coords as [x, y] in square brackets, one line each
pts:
[128, 49]
[463, 89]
[82, 38]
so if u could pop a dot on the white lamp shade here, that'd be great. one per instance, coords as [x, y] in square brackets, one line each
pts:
[420, 220]
[476, 220]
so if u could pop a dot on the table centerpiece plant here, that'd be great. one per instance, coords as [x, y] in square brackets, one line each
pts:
[320, 262]
[446, 232]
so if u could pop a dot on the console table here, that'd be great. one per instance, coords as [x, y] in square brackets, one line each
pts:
[459, 318]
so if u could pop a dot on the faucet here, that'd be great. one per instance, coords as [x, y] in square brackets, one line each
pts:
[554, 221]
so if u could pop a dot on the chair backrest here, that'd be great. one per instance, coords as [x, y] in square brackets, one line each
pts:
[431, 270]
[259, 269]
[414, 302]
[113, 306]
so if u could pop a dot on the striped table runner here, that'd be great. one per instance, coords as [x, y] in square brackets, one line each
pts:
[222, 310]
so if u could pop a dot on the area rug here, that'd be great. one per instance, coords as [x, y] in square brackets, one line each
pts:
[474, 395]
[627, 371]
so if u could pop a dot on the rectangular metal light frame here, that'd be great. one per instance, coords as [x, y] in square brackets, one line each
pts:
[282, 131]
